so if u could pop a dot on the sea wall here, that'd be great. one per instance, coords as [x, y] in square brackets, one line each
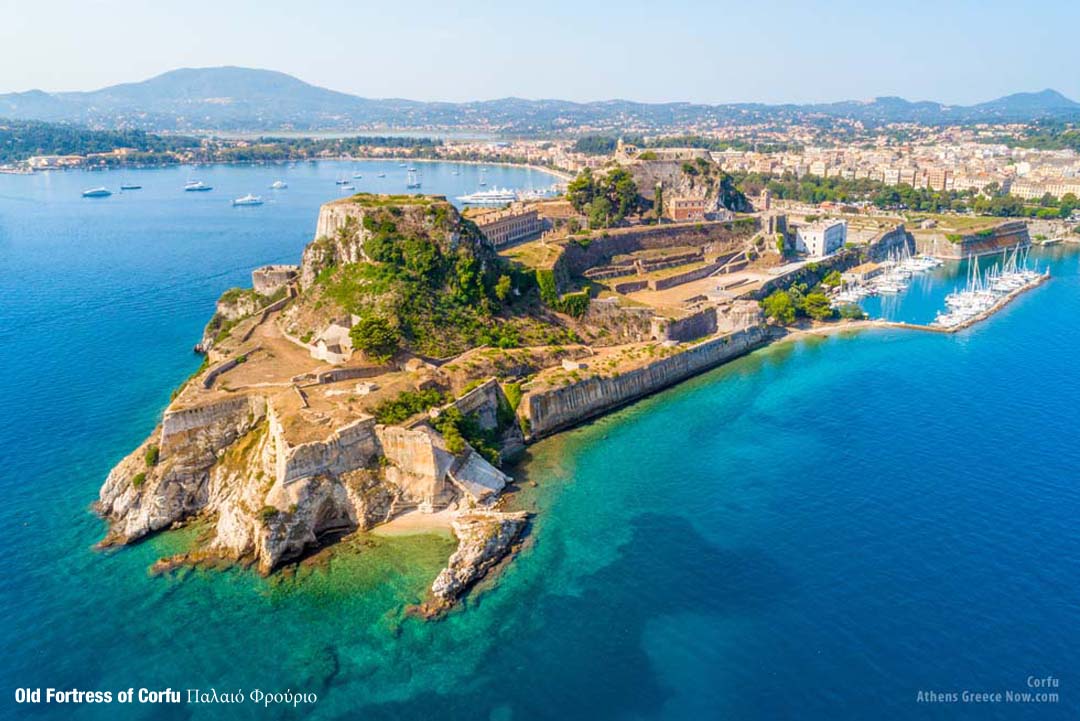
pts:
[953, 246]
[551, 410]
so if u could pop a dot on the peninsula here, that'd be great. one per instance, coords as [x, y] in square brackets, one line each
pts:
[414, 351]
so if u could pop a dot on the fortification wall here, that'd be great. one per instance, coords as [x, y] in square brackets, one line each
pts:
[218, 423]
[548, 411]
[625, 324]
[889, 242]
[350, 447]
[950, 247]
[684, 330]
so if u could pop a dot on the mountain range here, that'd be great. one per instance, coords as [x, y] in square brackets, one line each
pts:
[234, 99]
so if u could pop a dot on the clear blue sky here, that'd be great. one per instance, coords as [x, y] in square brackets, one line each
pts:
[955, 51]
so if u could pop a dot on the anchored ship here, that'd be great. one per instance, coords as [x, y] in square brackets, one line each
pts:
[495, 196]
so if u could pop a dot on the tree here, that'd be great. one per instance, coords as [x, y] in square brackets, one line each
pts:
[780, 307]
[832, 279]
[581, 190]
[375, 337]
[599, 212]
[816, 305]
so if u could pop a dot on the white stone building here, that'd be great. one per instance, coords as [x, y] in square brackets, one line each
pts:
[821, 239]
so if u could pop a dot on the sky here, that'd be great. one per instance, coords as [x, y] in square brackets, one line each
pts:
[772, 51]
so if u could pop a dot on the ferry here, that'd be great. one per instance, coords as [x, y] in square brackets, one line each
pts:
[97, 193]
[248, 199]
[196, 186]
[279, 185]
[495, 196]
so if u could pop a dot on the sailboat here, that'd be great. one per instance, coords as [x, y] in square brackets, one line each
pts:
[413, 181]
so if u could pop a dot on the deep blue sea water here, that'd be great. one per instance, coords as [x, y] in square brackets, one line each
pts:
[818, 530]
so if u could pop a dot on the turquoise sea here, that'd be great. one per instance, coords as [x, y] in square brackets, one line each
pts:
[819, 530]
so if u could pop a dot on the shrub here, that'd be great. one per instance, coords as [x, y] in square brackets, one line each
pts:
[152, 454]
[268, 513]
[138, 480]
[406, 405]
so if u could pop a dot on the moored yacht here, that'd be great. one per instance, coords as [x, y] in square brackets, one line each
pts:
[97, 193]
[248, 199]
[196, 186]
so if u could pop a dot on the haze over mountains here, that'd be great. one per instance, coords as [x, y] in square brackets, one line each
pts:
[235, 99]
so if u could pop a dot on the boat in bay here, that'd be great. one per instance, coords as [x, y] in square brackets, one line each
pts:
[248, 199]
[279, 185]
[413, 181]
[495, 196]
[97, 193]
[196, 186]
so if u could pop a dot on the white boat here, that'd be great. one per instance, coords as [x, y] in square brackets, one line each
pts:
[97, 193]
[279, 185]
[342, 181]
[130, 186]
[381, 175]
[196, 186]
[348, 186]
[357, 175]
[248, 199]
[495, 196]
[413, 181]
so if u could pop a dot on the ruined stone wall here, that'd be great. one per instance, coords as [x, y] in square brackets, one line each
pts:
[548, 411]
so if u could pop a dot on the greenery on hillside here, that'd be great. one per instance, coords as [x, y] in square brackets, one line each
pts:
[813, 189]
[606, 198]
[437, 288]
[22, 139]
[1044, 135]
